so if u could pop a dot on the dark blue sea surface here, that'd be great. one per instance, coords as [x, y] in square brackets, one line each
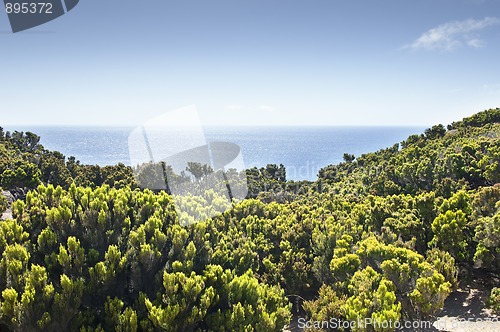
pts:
[303, 150]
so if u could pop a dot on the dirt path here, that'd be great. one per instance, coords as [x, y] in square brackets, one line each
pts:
[465, 309]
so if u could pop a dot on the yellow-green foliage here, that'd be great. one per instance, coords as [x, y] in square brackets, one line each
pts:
[376, 237]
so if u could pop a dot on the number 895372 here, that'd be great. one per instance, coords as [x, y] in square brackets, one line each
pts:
[28, 8]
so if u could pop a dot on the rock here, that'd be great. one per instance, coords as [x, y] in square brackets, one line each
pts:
[19, 193]
[7, 214]
[8, 195]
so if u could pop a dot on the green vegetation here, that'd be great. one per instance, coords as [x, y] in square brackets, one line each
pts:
[380, 236]
[494, 300]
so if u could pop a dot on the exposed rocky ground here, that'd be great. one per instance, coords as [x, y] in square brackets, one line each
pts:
[7, 214]
[465, 309]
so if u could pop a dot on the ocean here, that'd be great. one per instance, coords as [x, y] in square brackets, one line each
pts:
[303, 150]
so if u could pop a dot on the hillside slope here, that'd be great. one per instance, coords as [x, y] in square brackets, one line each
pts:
[386, 236]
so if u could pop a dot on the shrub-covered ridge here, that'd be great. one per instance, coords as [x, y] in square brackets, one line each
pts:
[381, 236]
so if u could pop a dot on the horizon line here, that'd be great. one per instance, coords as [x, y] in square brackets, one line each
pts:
[6, 126]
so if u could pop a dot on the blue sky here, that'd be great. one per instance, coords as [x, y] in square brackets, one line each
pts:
[254, 62]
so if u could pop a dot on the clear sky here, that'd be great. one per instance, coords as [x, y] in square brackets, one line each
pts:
[253, 62]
